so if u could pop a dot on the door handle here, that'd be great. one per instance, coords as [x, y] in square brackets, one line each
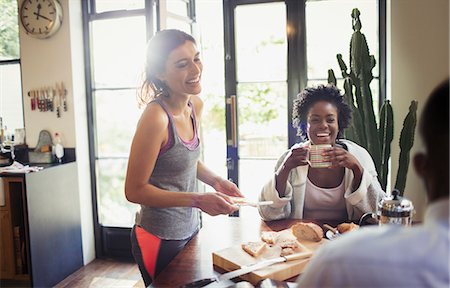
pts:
[230, 164]
[233, 109]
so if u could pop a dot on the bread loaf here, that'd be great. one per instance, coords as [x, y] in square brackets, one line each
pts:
[307, 231]
[345, 227]
[254, 248]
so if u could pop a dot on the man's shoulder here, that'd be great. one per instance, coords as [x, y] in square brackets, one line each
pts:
[359, 245]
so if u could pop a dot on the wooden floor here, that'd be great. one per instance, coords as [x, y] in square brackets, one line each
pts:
[105, 273]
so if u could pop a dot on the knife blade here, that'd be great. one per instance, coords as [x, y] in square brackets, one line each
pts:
[247, 269]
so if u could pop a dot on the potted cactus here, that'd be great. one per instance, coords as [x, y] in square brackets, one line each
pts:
[364, 129]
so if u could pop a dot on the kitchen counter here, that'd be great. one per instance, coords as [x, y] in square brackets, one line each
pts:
[43, 165]
[45, 206]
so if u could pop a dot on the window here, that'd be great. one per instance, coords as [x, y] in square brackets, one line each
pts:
[177, 14]
[324, 42]
[115, 5]
[117, 61]
[11, 109]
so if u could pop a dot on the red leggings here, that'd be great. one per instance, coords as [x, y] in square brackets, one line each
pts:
[151, 253]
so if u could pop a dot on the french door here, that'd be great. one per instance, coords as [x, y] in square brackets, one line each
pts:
[260, 46]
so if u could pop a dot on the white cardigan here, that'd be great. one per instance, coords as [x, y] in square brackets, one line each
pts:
[362, 200]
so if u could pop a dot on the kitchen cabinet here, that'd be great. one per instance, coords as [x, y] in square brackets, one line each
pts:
[40, 227]
[14, 262]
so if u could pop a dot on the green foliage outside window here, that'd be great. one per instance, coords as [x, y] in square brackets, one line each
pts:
[9, 30]
[256, 105]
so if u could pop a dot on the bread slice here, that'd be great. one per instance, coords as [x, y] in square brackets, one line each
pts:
[239, 200]
[254, 248]
[270, 237]
[346, 227]
[288, 243]
[307, 231]
[287, 251]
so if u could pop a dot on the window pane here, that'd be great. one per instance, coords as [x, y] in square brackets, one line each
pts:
[258, 51]
[211, 45]
[11, 97]
[118, 52]
[175, 23]
[255, 174]
[178, 7]
[114, 209]
[112, 5]
[325, 41]
[262, 119]
[116, 115]
[9, 30]
[374, 87]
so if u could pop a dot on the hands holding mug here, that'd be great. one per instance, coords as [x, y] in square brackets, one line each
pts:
[297, 156]
[321, 156]
[318, 156]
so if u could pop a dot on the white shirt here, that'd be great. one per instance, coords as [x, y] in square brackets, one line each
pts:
[386, 256]
[357, 202]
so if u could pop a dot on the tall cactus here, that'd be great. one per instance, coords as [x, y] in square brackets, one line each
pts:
[406, 142]
[361, 64]
[356, 129]
[331, 77]
[386, 134]
[363, 129]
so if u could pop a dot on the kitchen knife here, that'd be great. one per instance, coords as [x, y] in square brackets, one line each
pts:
[247, 269]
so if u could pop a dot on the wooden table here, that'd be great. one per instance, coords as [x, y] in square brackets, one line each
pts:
[194, 262]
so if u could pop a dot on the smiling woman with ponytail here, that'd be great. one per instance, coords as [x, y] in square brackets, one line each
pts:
[164, 162]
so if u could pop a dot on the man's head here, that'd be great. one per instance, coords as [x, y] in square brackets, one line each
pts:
[432, 165]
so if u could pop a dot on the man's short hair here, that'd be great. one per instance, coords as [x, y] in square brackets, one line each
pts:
[434, 121]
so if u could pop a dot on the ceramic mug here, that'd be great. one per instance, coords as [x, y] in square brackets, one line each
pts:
[316, 159]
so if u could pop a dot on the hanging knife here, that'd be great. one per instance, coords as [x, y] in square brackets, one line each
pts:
[58, 101]
[247, 269]
[41, 101]
[64, 93]
[51, 99]
[33, 100]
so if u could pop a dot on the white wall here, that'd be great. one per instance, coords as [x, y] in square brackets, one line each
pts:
[45, 62]
[418, 59]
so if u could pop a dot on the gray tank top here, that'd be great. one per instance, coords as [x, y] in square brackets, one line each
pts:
[175, 170]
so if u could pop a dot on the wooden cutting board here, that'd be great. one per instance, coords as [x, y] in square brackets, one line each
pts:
[233, 258]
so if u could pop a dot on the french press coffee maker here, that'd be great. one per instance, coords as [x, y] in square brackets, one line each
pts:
[392, 209]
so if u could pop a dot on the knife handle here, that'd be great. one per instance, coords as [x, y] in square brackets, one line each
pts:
[297, 256]
[199, 283]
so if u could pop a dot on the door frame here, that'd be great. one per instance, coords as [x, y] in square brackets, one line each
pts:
[296, 74]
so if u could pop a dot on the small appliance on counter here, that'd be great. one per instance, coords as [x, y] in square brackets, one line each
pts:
[43, 151]
[6, 155]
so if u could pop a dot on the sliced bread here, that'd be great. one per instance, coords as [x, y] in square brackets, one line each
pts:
[270, 237]
[254, 248]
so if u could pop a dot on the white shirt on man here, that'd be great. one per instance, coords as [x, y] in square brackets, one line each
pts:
[386, 256]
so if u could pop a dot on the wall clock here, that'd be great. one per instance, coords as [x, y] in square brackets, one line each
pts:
[41, 18]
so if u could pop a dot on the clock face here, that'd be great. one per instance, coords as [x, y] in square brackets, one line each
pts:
[41, 18]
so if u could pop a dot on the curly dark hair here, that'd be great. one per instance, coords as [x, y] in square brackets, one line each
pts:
[309, 96]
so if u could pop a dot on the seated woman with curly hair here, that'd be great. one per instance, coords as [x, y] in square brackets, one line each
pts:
[342, 191]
